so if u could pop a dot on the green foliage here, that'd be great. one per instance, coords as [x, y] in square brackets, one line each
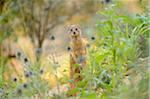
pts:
[3, 61]
[30, 85]
[117, 50]
[121, 46]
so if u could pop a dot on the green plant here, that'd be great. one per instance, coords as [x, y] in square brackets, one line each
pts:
[117, 59]
[115, 51]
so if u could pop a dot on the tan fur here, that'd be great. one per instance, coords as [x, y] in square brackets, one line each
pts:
[77, 55]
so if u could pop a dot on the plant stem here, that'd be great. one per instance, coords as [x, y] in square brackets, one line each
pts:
[58, 89]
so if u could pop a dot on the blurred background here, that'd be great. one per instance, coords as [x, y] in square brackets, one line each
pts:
[38, 28]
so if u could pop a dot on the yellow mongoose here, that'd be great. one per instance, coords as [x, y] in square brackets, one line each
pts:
[77, 54]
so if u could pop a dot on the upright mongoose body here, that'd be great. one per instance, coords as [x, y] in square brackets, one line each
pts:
[77, 54]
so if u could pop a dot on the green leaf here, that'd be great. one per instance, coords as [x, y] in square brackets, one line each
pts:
[91, 96]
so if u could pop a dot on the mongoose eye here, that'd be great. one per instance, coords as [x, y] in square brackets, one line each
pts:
[71, 30]
[76, 29]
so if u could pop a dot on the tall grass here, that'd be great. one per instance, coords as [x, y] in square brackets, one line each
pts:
[117, 62]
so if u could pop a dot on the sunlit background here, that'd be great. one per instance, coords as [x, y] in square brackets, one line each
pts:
[38, 29]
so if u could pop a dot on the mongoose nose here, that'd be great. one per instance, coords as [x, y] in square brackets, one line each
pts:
[74, 33]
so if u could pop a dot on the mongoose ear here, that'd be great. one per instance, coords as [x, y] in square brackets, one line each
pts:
[69, 28]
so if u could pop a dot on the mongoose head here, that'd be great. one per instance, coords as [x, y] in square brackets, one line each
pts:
[74, 31]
